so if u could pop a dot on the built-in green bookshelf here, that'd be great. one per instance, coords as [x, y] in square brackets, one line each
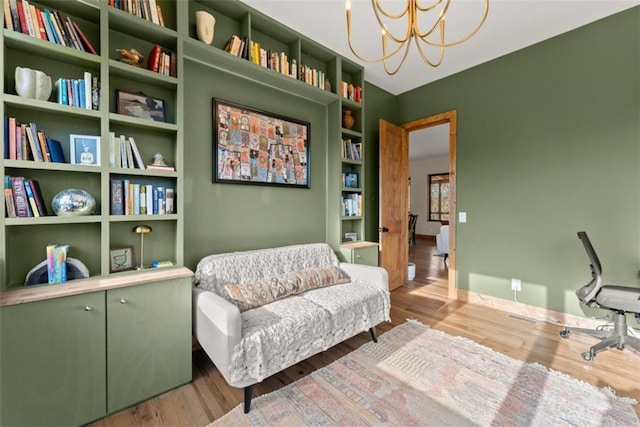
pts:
[23, 240]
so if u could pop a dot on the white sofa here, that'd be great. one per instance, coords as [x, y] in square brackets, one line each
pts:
[249, 346]
[442, 241]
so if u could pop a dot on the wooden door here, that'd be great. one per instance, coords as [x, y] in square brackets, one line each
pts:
[394, 223]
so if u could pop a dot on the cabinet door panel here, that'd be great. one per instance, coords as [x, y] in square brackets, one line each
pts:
[52, 361]
[366, 256]
[149, 340]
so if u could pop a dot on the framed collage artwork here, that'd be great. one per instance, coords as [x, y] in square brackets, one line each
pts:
[255, 147]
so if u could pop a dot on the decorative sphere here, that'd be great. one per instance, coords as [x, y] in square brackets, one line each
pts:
[73, 202]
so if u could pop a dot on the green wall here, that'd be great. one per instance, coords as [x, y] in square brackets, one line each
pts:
[379, 104]
[230, 217]
[548, 145]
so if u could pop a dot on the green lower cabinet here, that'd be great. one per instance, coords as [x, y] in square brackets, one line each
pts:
[53, 361]
[365, 253]
[148, 341]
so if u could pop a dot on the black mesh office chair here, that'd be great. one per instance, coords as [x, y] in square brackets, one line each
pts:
[619, 299]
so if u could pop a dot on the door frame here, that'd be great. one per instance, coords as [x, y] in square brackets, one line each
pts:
[450, 117]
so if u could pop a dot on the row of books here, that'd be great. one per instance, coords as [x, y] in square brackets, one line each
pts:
[162, 62]
[124, 153]
[57, 263]
[45, 24]
[134, 198]
[23, 198]
[351, 150]
[276, 61]
[351, 204]
[82, 93]
[351, 92]
[26, 142]
[145, 9]
[350, 179]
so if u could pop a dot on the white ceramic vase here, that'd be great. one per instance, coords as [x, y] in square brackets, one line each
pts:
[32, 83]
[205, 23]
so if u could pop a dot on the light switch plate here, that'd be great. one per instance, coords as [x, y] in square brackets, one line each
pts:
[462, 217]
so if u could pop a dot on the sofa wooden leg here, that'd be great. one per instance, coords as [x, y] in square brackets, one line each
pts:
[248, 391]
[372, 331]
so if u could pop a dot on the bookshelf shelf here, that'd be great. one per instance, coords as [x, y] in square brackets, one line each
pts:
[351, 105]
[143, 123]
[211, 56]
[34, 46]
[143, 172]
[49, 107]
[141, 74]
[53, 220]
[129, 24]
[139, 218]
[51, 166]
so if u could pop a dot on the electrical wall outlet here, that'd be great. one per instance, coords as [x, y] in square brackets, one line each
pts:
[516, 285]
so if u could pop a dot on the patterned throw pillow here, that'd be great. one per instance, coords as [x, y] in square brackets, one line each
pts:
[262, 292]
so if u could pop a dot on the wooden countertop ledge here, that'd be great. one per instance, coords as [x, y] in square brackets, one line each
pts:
[93, 284]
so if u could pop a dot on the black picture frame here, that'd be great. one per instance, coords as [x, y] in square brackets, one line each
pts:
[122, 259]
[255, 147]
[140, 106]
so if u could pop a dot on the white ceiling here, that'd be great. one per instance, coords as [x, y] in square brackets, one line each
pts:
[511, 25]
[429, 143]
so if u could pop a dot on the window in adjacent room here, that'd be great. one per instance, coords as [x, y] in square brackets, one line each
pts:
[439, 197]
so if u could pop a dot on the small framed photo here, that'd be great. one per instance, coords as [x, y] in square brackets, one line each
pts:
[121, 259]
[140, 105]
[84, 150]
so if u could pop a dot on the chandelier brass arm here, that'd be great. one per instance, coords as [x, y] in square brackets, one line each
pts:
[434, 36]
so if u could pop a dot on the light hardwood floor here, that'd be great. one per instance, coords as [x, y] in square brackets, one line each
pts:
[208, 397]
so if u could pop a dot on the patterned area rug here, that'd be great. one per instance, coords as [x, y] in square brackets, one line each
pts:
[416, 375]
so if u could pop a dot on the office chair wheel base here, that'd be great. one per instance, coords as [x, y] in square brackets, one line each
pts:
[587, 356]
[565, 333]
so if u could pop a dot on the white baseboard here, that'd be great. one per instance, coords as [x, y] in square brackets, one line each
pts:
[529, 311]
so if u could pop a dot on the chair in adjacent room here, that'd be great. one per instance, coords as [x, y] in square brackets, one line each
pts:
[619, 299]
[413, 219]
[442, 241]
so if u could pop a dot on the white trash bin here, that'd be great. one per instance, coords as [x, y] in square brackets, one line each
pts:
[412, 271]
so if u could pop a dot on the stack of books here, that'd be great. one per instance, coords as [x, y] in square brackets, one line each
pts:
[136, 198]
[26, 142]
[45, 24]
[82, 93]
[23, 198]
[145, 9]
[57, 263]
[124, 153]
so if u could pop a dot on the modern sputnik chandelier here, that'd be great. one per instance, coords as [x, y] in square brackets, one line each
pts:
[433, 35]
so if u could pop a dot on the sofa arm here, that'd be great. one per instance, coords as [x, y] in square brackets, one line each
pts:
[374, 275]
[217, 325]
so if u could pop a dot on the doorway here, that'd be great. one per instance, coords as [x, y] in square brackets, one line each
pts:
[388, 258]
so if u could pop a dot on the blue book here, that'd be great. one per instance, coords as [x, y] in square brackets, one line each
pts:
[50, 24]
[47, 27]
[82, 94]
[61, 86]
[155, 201]
[55, 149]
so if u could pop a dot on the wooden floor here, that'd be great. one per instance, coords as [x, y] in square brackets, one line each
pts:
[208, 397]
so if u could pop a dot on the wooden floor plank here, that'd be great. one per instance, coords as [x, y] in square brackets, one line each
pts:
[208, 396]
